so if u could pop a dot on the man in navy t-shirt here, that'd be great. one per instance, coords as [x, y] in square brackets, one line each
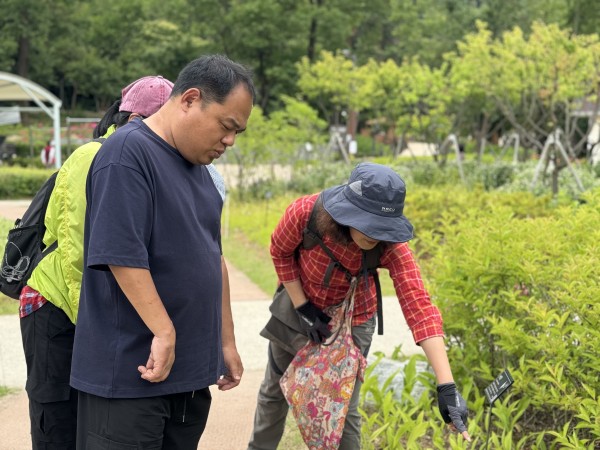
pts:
[154, 328]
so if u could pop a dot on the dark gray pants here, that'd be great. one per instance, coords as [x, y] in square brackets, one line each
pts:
[272, 408]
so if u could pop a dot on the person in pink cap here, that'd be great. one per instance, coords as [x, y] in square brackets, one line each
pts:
[49, 303]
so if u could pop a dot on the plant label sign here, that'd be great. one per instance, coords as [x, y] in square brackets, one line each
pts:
[498, 386]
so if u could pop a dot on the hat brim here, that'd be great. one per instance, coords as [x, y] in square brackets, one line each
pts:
[380, 228]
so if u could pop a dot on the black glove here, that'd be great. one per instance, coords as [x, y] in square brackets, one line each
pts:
[314, 321]
[452, 406]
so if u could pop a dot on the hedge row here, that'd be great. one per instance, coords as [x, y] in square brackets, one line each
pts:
[19, 183]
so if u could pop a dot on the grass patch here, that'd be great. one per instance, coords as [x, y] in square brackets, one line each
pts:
[4, 391]
[8, 305]
[250, 258]
[291, 439]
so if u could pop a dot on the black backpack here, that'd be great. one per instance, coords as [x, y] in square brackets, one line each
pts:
[25, 244]
[25, 247]
[370, 260]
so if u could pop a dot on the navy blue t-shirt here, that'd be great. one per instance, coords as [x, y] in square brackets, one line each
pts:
[148, 208]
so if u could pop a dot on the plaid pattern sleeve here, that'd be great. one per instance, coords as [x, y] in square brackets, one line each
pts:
[30, 300]
[423, 318]
[288, 235]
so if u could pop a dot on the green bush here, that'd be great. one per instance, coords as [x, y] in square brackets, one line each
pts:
[16, 182]
[310, 178]
[522, 293]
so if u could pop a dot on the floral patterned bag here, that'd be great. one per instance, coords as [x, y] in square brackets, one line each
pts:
[319, 382]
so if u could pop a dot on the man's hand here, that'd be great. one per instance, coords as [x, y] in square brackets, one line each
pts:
[314, 321]
[453, 408]
[162, 357]
[235, 369]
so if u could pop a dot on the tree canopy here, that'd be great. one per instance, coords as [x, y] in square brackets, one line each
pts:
[85, 51]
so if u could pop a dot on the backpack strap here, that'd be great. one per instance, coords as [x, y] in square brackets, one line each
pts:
[370, 260]
[370, 263]
[312, 238]
[42, 217]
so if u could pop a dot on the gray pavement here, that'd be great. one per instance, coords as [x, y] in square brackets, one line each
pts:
[230, 422]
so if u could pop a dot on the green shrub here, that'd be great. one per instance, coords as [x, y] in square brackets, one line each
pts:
[414, 423]
[16, 182]
[522, 293]
[310, 178]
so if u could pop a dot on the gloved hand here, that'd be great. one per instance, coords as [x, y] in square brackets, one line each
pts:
[452, 406]
[314, 321]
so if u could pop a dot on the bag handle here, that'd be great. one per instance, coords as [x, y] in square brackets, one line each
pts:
[348, 305]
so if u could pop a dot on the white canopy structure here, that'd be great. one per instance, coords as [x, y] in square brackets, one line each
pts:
[15, 88]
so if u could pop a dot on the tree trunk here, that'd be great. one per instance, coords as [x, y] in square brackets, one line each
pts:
[22, 64]
[312, 33]
[481, 135]
[74, 97]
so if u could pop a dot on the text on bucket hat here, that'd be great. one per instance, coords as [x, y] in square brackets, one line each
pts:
[372, 202]
[146, 95]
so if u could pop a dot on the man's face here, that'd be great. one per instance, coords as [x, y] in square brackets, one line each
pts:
[207, 129]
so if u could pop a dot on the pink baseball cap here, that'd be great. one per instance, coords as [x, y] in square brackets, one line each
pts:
[146, 95]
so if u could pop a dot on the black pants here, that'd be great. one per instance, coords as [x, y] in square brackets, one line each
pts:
[48, 345]
[169, 422]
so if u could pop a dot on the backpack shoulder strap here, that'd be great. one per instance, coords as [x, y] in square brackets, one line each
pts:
[370, 263]
[311, 236]
[48, 188]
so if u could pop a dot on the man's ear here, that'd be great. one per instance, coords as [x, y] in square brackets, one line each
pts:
[189, 97]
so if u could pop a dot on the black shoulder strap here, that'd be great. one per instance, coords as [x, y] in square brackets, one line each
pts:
[311, 237]
[370, 259]
[49, 187]
[99, 139]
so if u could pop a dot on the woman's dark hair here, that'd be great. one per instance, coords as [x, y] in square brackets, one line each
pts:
[216, 76]
[327, 226]
[112, 117]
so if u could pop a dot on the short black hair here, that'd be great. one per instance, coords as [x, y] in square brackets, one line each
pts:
[216, 76]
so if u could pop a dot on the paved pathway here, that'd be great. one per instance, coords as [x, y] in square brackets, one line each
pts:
[230, 421]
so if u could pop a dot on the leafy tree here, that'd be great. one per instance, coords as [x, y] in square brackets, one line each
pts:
[295, 125]
[472, 77]
[28, 23]
[428, 28]
[333, 83]
[504, 15]
[542, 79]
[583, 16]
[413, 99]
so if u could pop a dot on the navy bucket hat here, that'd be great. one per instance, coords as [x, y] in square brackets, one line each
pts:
[372, 202]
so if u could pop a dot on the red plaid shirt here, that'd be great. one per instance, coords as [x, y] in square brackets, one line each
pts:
[421, 315]
[30, 301]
